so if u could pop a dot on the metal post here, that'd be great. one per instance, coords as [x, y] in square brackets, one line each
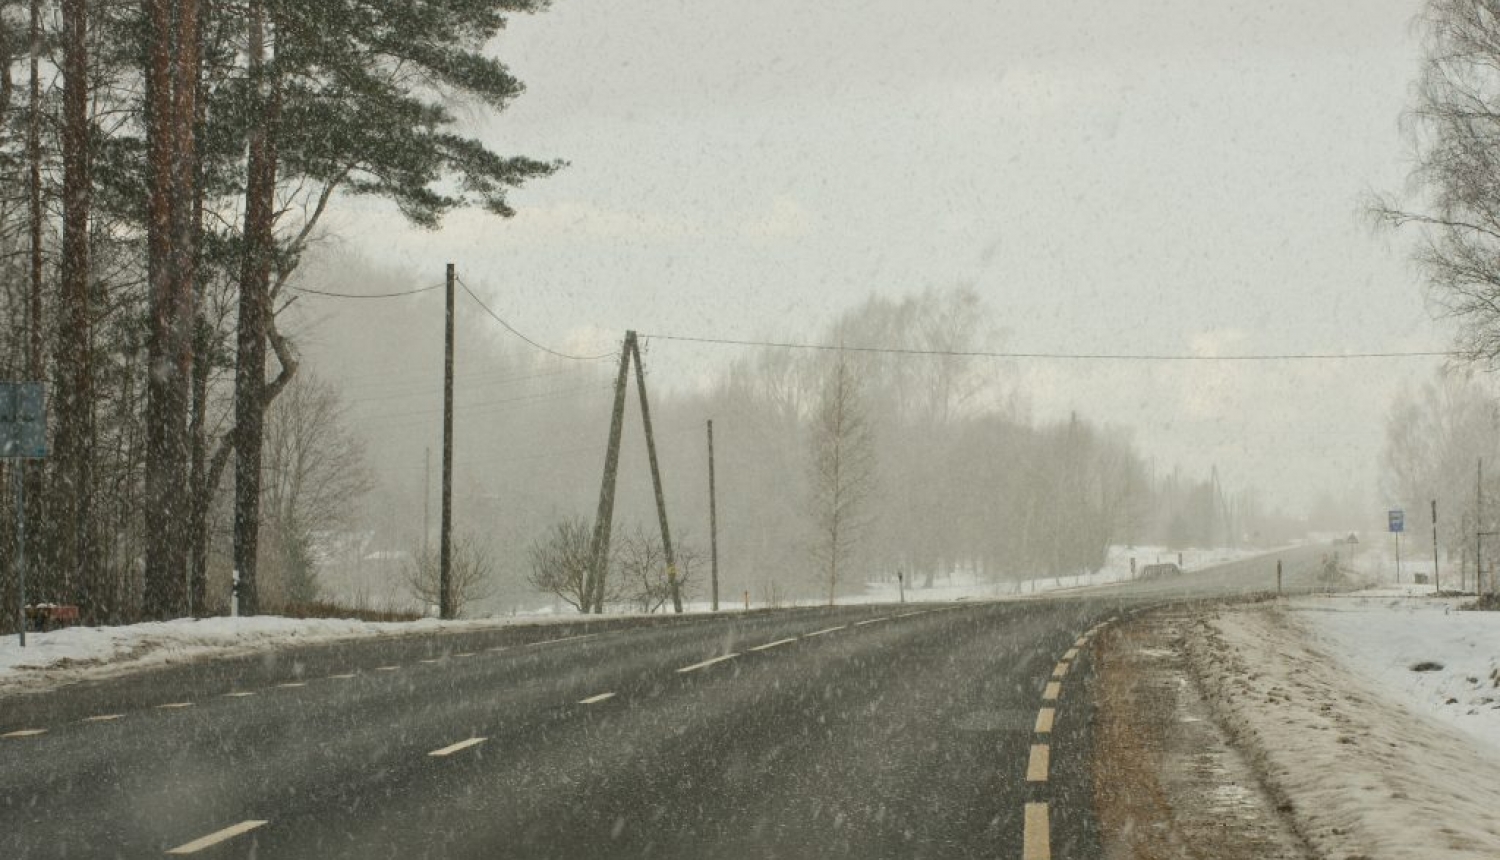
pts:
[234, 596]
[20, 487]
[1398, 558]
[445, 541]
[713, 519]
[1435, 581]
[1478, 525]
[901, 585]
[1278, 577]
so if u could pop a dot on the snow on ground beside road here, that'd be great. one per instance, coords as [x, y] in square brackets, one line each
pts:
[967, 585]
[90, 653]
[1361, 760]
[1381, 638]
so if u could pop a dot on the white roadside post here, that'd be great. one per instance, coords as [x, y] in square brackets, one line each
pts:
[234, 596]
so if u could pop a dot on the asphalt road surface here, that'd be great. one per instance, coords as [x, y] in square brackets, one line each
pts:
[918, 730]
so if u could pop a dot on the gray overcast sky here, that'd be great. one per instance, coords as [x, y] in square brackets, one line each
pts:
[1112, 177]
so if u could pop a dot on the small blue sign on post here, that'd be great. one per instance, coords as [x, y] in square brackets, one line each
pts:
[23, 421]
[23, 436]
[1397, 520]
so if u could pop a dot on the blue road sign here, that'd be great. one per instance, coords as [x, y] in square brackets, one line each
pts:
[23, 420]
[1397, 520]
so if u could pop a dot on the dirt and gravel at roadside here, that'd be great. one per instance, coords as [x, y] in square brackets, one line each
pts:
[1239, 731]
[1168, 783]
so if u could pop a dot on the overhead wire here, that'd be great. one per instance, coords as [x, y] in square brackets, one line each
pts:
[334, 295]
[1068, 356]
[512, 329]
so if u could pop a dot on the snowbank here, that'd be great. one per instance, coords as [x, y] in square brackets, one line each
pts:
[1369, 762]
[90, 653]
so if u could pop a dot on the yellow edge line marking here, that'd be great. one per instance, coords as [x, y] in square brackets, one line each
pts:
[1036, 840]
[219, 836]
[1053, 690]
[770, 645]
[24, 733]
[821, 632]
[591, 700]
[1036, 766]
[1044, 719]
[706, 663]
[175, 705]
[102, 718]
[461, 745]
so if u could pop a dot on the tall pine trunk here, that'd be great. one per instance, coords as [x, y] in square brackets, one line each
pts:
[171, 90]
[254, 311]
[73, 409]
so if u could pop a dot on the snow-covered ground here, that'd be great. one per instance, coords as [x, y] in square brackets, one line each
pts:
[1376, 716]
[965, 585]
[90, 653]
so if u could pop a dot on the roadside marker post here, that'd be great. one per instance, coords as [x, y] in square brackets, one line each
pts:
[1278, 577]
[23, 436]
[1396, 522]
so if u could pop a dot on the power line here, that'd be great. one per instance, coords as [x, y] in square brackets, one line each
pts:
[331, 295]
[510, 328]
[1070, 356]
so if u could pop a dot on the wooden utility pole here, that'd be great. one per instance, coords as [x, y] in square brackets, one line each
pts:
[445, 541]
[713, 520]
[661, 499]
[599, 564]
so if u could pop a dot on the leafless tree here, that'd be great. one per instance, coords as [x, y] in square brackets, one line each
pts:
[1455, 194]
[641, 569]
[315, 469]
[843, 470]
[560, 562]
[471, 576]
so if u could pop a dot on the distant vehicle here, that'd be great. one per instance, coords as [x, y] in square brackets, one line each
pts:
[1160, 571]
[1352, 538]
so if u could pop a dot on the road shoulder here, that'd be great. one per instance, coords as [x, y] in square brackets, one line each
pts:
[1359, 775]
[1168, 783]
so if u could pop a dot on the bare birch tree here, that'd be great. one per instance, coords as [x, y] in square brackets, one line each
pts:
[843, 471]
[1455, 195]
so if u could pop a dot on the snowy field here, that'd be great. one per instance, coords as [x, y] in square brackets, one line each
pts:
[1376, 716]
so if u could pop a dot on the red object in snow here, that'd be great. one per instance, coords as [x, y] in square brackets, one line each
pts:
[46, 616]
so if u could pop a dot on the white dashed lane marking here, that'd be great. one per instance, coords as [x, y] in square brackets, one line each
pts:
[1053, 690]
[238, 694]
[292, 685]
[1061, 670]
[706, 663]
[871, 621]
[453, 748]
[776, 644]
[216, 837]
[342, 676]
[386, 668]
[1071, 654]
[173, 705]
[24, 733]
[821, 632]
[594, 700]
[102, 718]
